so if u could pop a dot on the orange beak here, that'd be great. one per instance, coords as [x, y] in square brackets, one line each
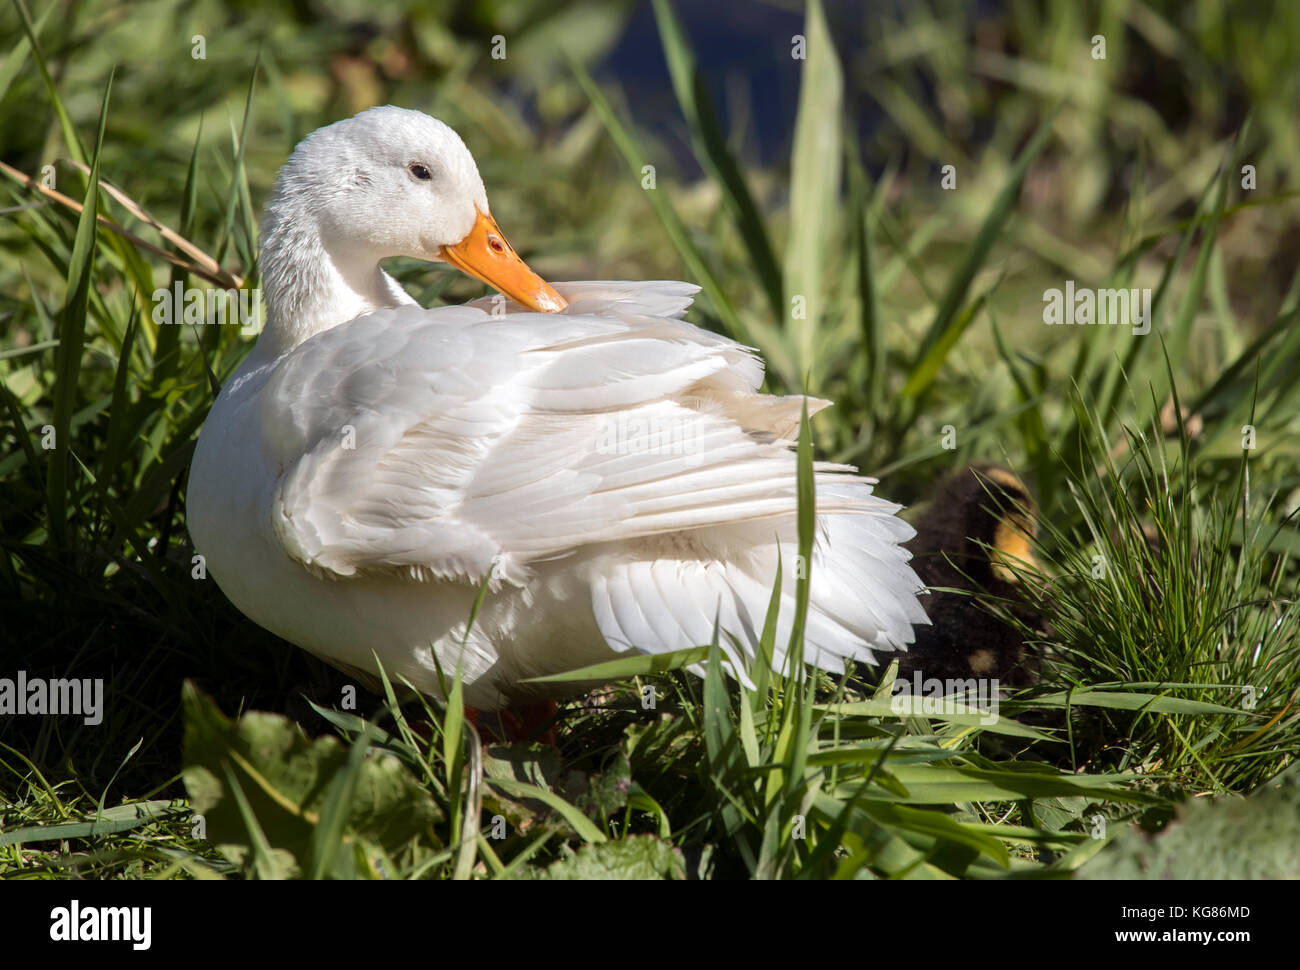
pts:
[485, 255]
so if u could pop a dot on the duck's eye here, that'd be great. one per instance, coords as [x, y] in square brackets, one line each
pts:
[419, 171]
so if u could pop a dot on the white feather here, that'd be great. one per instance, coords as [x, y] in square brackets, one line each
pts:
[613, 470]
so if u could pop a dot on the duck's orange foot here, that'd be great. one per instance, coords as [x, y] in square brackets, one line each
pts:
[526, 724]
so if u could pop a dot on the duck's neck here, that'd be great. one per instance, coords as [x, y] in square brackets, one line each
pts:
[312, 282]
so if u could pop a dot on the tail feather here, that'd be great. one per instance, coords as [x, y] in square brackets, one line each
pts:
[669, 594]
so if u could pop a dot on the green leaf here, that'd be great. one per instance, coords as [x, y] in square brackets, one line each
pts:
[13, 61]
[638, 857]
[690, 254]
[954, 712]
[936, 785]
[814, 184]
[640, 800]
[1133, 701]
[328, 834]
[873, 345]
[65, 121]
[581, 824]
[938, 825]
[948, 315]
[926, 369]
[237, 176]
[806, 488]
[72, 331]
[111, 821]
[1222, 838]
[289, 786]
[712, 153]
[640, 665]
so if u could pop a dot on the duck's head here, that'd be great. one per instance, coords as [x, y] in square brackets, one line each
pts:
[391, 182]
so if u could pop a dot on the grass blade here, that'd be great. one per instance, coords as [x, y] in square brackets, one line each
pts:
[814, 185]
[948, 314]
[712, 153]
[71, 336]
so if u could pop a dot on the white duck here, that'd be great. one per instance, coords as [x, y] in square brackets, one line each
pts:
[613, 470]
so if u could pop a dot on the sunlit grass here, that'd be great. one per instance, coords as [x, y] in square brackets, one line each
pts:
[1169, 546]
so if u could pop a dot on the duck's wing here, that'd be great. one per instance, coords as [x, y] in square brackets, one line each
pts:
[453, 442]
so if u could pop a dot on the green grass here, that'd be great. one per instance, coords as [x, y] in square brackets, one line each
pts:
[1169, 544]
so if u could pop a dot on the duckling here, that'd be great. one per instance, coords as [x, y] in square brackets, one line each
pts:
[975, 535]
